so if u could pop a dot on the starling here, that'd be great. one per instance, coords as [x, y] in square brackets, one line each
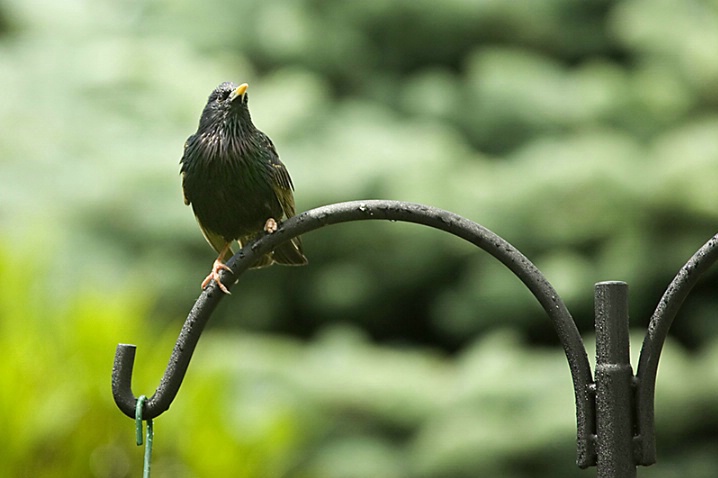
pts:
[235, 182]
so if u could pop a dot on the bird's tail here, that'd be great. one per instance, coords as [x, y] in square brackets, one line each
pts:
[288, 254]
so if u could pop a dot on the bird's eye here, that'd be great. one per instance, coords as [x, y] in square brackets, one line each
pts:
[223, 95]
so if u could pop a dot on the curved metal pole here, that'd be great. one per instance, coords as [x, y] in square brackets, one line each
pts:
[658, 328]
[372, 210]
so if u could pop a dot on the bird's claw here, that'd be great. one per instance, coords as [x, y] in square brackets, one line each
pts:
[214, 276]
[270, 226]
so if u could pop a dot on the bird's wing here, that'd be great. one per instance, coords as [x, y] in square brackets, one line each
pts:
[183, 168]
[184, 194]
[281, 181]
[215, 240]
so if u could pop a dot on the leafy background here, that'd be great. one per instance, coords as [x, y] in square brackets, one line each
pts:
[584, 132]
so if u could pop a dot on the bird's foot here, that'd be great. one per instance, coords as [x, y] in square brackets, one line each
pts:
[270, 226]
[217, 267]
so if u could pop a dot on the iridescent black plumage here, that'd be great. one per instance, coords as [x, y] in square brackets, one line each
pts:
[234, 180]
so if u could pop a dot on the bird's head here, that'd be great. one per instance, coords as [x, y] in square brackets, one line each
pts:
[227, 106]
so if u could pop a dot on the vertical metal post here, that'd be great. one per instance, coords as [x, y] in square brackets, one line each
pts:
[614, 394]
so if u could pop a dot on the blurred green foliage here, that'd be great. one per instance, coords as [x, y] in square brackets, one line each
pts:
[584, 132]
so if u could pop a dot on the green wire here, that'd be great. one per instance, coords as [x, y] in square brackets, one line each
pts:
[148, 450]
[138, 435]
[138, 418]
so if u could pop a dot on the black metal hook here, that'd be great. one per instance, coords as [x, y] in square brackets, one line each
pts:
[658, 328]
[611, 312]
[357, 211]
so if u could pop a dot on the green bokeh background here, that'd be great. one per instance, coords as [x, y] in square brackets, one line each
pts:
[584, 132]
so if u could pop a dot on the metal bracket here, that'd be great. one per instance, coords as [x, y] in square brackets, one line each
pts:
[606, 409]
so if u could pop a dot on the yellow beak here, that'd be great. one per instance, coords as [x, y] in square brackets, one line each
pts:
[241, 89]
